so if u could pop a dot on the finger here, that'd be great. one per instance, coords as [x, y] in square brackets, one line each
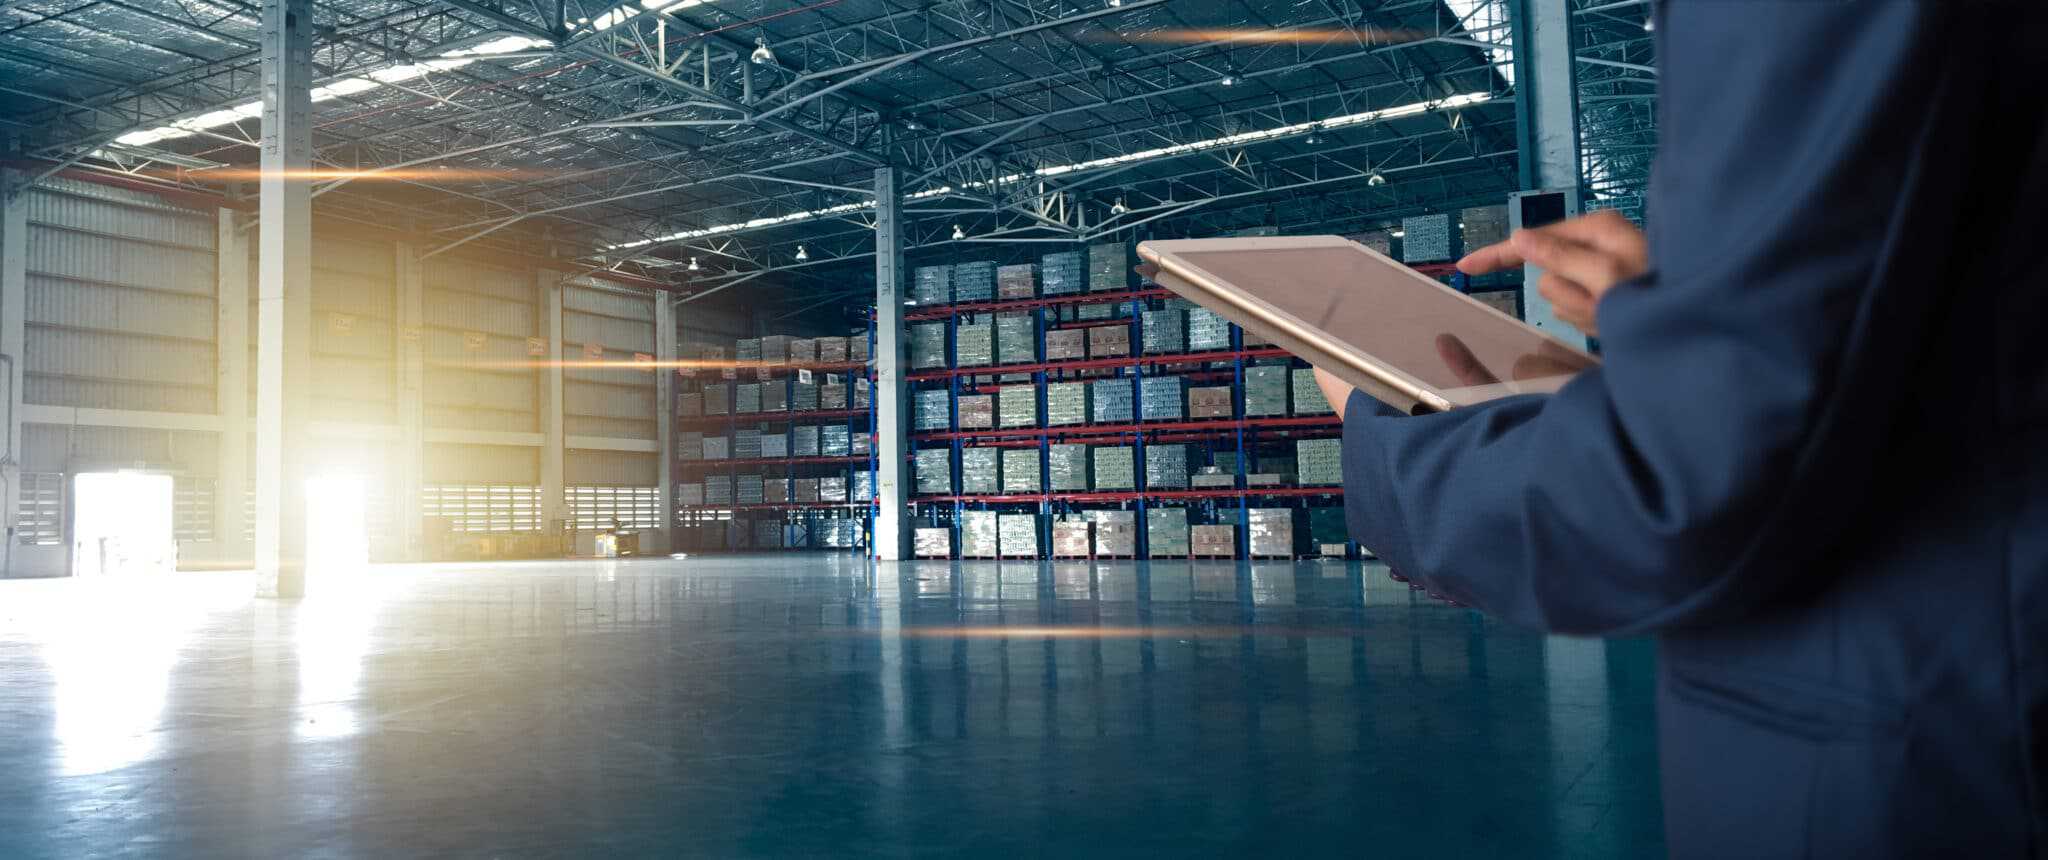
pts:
[1565, 296]
[1492, 258]
[1590, 267]
[1462, 362]
[1606, 229]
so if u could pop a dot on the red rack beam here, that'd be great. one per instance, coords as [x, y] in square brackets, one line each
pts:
[1095, 363]
[758, 417]
[943, 311]
[1152, 427]
[1092, 498]
[776, 506]
[773, 461]
[751, 373]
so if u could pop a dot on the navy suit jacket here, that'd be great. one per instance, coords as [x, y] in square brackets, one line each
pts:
[1815, 462]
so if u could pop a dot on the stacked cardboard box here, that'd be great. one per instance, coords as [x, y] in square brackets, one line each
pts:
[864, 485]
[974, 282]
[774, 445]
[1020, 470]
[1070, 539]
[1427, 239]
[747, 399]
[832, 489]
[1019, 281]
[1166, 467]
[747, 351]
[1115, 468]
[689, 404]
[980, 472]
[803, 396]
[1213, 540]
[1166, 532]
[1109, 341]
[1213, 477]
[1160, 398]
[934, 468]
[1209, 402]
[1067, 344]
[803, 491]
[1062, 273]
[691, 493]
[931, 409]
[1109, 267]
[803, 350]
[978, 534]
[1068, 467]
[932, 285]
[932, 542]
[1066, 403]
[803, 441]
[859, 348]
[1308, 396]
[748, 489]
[1319, 461]
[1272, 532]
[1116, 532]
[1265, 390]
[1208, 331]
[768, 534]
[717, 448]
[977, 411]
[775, 396]
[1483, 225]
[775, 349]
[690, 445]
[861, 443]
[718, 489]
[1017, 535]
[1016, 338]
[775, 491]
[1017, 406]
[863, 393]
[717, 399]
[835, 440]
[927, 345]
[974, 341]
[832, 395]
[832, 350]
[1104, 311]
[746, 445]
[1112, 400]
[838, 533]
[1166, 331]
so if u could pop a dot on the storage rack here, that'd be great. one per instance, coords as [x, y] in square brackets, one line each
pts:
[1238, 436]
[739, 520]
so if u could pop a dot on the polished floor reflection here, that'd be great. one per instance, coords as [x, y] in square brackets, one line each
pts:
[806, 705]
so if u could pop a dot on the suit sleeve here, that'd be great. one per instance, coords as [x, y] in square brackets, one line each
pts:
[1748, 377]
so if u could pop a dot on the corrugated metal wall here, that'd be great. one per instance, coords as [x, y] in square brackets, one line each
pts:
[449, 463]
[354, 314]
[601, 401]
[622, 468]
[61, 448]
[478, 320]
[120, 300]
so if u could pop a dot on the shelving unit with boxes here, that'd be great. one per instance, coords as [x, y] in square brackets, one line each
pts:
[1062, 409]
[774, 448]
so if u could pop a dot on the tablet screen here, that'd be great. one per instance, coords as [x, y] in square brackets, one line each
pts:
[1428, 331]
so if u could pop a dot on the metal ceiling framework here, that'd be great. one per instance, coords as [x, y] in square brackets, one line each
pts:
[645, 137]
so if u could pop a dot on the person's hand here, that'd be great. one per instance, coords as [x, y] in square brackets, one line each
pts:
[1335, 390]
[1582, 258]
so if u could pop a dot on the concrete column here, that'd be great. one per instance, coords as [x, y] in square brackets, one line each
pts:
[892, 419]
[665, 413]
[410, 467]
[284, 299]
[1547, 108]
[13, 338]
[554, 507]
[231, 391]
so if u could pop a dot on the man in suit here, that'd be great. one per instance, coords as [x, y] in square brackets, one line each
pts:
[1815, 461]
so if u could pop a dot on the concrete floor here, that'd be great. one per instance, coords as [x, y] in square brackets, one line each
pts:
[809, 705]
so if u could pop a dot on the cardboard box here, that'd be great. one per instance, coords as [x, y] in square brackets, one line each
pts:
[1018, 535]
[803, 350]
[803, 490]
[1109, 267]
[932, 285]
[927, 345]
[1113, 400]
[980, 471]
[978, 534]
[1166, 467]
[974, 282]
[1109, 341]
[1017, 406]
[1165, 331]
[1308, 396]
[1160, 398]
[1068, 467]
[1265, 390]
[1209, 402]
[1073, 539]
[977, 411]
[1066, 403]
[974, 341]
[1020, 470]
[1213, 540]
[1116, 532]
[775, 491]
[931, 409]
[1062, 273]
[1115, 468]
[934, 468]
[1068, 344]
[1166, 532]
[1018, 281]
[1016, 338]
[932, 542]
[1319, 462]
[831, 350]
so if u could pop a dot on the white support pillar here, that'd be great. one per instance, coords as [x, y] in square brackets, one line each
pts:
[665, 414]
[13, 337]
[1547, 107]
[231, 391]
[284, 300]
[409, 468]
[892, 419]
[554, 505]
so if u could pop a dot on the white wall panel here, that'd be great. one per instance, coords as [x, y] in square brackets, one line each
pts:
[482, 464]
[87, 305]
[627, 468]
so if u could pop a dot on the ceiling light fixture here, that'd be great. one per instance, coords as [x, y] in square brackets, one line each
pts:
[1119, 208]
[1376, 179]
[958, 233]
[1115, 3]
[762, 56]
[1229, 76]
[801, 254]
[693, 264]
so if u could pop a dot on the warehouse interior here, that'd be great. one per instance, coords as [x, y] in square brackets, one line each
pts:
[738, 428]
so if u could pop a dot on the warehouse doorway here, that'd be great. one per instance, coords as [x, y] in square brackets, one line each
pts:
[122, 524]
[337, 530]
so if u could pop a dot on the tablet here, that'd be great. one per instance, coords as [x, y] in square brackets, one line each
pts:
[1398, 335]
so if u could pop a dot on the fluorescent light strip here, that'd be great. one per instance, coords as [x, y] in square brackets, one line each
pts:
[1226, 141]
[346, 86]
